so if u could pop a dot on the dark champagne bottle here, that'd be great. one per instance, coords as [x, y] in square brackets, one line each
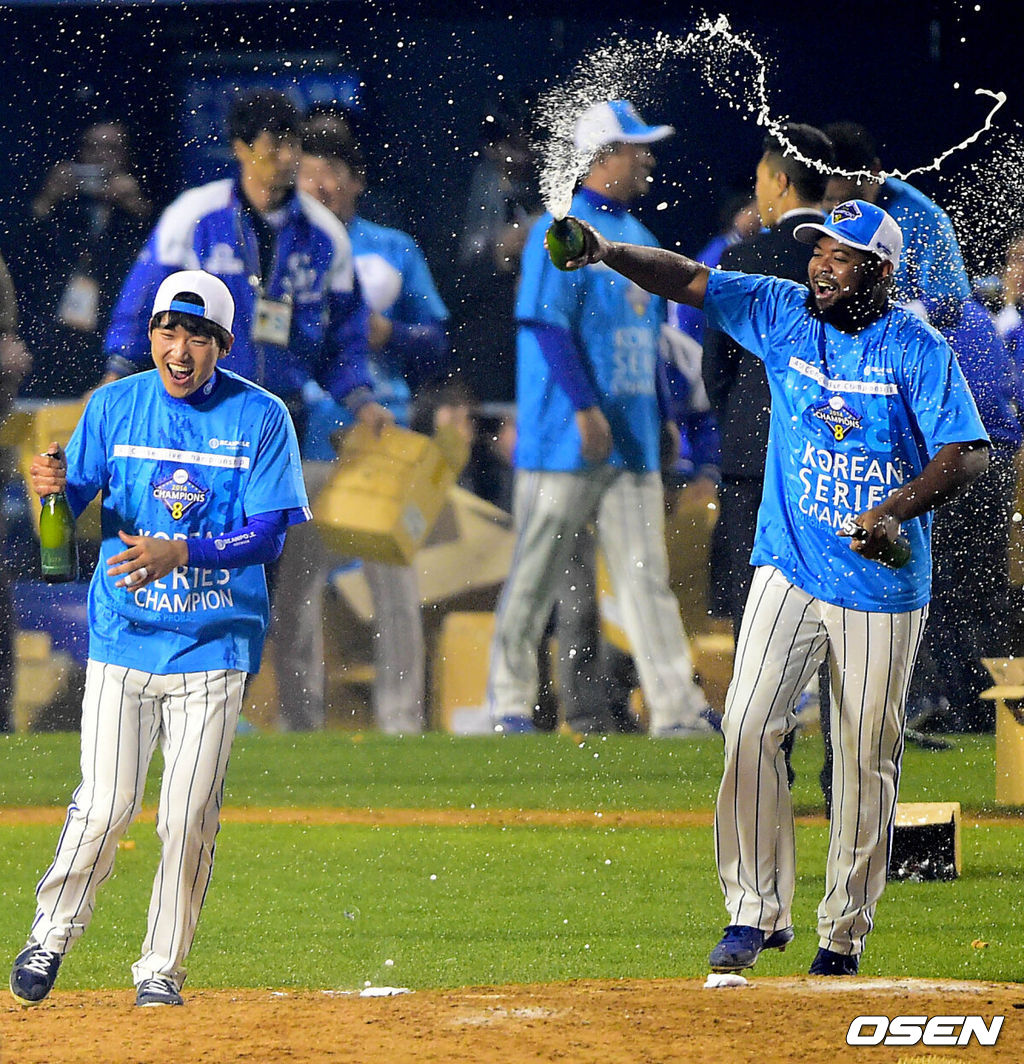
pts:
[893, 555]
[58, 547]
[565, 241]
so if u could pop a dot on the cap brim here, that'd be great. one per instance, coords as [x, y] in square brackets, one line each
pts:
[808, 233]
[647, 136]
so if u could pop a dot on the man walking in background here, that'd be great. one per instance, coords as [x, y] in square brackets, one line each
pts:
[589, 426]
[788, 193]
[408, 347]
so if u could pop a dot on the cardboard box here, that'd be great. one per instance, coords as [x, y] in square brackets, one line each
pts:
[461, 566]
[461, 661]
[925, 841]
[385, 496]
[1008, 695]
[39, 425]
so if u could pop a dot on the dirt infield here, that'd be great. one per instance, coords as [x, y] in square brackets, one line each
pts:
[770, 1021]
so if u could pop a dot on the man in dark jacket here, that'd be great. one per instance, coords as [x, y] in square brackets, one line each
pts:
[789, 192]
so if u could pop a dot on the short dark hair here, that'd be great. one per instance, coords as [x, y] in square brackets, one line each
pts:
[810, 182]
[171, 319]
[328, 141]
[431, 397]
[854, 146]
[262, 111]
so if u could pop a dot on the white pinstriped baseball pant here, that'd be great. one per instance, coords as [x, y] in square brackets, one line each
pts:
[550, 509]
[783, 639]
[125, 713]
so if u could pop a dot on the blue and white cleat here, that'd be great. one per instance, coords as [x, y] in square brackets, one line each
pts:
[34, 973]
[742, 945]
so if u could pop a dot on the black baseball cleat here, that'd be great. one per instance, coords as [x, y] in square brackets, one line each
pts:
[828, 962]
[34, 973]
[742, 945]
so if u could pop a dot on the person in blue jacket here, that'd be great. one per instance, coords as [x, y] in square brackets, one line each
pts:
[932, 281]
[408, 348]
[301, 326]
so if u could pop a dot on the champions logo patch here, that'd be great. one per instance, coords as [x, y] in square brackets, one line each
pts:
[845, 212]
[839, 418]
[179, 494]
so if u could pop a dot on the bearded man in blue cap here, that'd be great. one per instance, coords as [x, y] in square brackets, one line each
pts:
[872, 426]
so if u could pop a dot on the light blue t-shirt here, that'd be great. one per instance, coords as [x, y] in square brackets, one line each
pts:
[395, 281]
[171, 469]
[853, 417]
[616, 327]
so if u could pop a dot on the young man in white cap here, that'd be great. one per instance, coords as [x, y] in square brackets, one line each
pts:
[872, 426]
[199, 474]
[589, 426]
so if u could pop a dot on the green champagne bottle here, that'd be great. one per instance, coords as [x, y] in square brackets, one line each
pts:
[893, 556]
[565, 241]
[58, 547]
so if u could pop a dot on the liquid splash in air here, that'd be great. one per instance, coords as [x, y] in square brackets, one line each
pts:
[625, 69]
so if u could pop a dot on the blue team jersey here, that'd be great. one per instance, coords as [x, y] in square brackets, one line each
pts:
[931, 267]
[170, 469]
[396, 282]
[853, 417]
[616, 327]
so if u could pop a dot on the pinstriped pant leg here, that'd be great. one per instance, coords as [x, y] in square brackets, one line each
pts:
[873, 657]
[780, 646]
[120, 726]
[631, 530]
[550, 508]
[200, 715]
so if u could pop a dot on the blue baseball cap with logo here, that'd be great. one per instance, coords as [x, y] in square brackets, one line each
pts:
[861, 225]
[615, 122]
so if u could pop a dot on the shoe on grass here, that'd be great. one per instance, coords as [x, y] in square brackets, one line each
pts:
[828, 962]
[514, 725]
[741, 945]
[34, 973]
[157, 990]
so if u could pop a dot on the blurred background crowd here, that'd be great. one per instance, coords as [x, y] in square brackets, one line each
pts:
[420, 131]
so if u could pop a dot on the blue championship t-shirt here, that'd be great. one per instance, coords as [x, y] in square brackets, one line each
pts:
[171, 469]
[616, 326]
[853, 417]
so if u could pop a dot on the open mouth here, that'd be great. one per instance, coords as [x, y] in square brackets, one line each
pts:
[179, 373]
[824, 288]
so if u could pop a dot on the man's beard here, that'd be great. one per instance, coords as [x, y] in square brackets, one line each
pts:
[854, 313]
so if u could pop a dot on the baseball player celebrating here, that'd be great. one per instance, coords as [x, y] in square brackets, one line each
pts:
[871, 420]
[199, 474]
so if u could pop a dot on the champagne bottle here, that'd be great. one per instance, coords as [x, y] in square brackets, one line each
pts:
[58, 547]
[893, 555]
[565, 241]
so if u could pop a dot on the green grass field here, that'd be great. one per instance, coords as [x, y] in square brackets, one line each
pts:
[326, 906]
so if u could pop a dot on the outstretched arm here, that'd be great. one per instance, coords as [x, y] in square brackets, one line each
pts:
[663, 273]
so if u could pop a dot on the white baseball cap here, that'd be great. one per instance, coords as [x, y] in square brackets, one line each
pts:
[615, 122]
[198, 293]
[858, 224]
